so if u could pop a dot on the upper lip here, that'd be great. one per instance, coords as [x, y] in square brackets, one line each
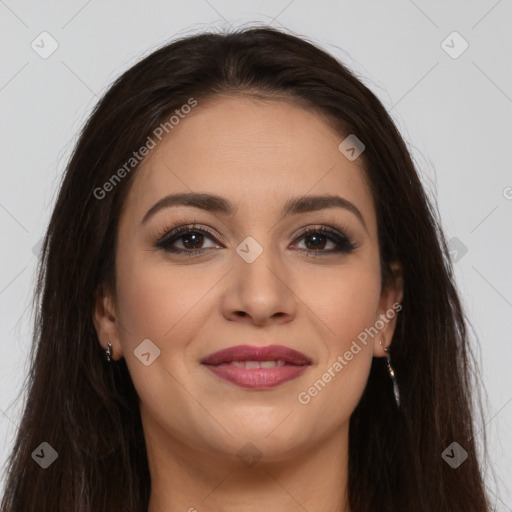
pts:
[257, 353]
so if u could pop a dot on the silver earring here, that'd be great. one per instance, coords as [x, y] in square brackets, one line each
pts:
[108, 352]
[392, 375]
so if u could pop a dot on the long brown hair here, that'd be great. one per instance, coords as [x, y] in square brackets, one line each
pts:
[89, 412]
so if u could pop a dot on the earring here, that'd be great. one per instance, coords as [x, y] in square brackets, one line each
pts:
[108, 352]
[392, 375]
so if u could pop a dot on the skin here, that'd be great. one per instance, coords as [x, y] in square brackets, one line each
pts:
[257, 154]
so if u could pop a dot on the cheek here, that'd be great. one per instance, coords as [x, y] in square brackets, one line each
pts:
[159, 301]
[162, 303]
[333, 392]
[344, 299]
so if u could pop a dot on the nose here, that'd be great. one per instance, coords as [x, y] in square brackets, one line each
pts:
[260, 291]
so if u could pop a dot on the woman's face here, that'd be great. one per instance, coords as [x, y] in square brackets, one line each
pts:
[244, 277]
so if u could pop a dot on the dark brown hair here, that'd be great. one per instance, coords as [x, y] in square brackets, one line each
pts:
[89, 412]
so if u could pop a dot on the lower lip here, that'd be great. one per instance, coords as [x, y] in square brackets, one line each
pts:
[259, 378]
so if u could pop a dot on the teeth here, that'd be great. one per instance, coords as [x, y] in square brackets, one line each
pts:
[258, 364]
[268, 364]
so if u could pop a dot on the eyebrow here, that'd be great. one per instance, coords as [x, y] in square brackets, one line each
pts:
[218, 204]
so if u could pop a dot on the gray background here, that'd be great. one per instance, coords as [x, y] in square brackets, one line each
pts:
[455, 114]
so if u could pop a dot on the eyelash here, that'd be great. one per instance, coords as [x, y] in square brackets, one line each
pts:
[167, 237]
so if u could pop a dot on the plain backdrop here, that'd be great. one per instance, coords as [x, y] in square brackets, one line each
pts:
[442, 69]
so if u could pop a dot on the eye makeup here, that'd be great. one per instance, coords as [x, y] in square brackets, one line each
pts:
[191, 234]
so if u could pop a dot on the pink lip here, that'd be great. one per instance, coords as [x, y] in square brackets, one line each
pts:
[259, 378]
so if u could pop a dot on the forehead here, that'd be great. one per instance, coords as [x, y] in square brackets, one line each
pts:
[255, 153]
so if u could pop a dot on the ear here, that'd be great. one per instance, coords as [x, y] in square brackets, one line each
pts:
[389, 307]
[105, 321]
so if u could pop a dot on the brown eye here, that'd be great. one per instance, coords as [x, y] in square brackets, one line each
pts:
[192, 240]
[317, 238]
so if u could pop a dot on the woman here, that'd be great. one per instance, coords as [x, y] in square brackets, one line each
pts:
[242, 233]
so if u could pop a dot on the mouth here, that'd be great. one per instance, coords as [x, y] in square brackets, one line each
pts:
[257, 367]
